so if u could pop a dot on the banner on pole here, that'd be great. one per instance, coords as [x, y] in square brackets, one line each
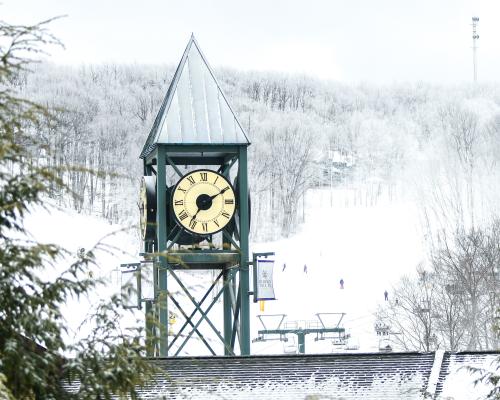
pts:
[264, 289]
[147, 281]
[130, 286]
[137, 284]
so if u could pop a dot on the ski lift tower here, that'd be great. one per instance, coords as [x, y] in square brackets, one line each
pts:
[195, 209]
[302, 328]
[475, 37]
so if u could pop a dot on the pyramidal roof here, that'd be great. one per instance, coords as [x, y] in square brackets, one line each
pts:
[194, 111]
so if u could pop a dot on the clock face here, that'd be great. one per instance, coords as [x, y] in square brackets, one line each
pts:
[143, 208]
[203, 202]
[147, 207]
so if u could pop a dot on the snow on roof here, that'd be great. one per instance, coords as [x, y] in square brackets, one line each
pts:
[456, 381]
[316, 376]
[195, 110]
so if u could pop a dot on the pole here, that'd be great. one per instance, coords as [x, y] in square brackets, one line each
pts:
[244, 248]
[161, 223]
[475, 37]
[301, 336]
[228, 312]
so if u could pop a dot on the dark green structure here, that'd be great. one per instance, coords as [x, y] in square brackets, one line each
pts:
[319, 328]
[196, 128]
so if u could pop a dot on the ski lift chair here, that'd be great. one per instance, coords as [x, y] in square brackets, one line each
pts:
[352, 344]
[339, 340]
[385, 345]
[289, 345]
[382, 329]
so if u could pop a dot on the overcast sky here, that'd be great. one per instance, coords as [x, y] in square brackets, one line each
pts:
[380, 41]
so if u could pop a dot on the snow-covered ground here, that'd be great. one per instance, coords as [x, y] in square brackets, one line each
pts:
[368, 247]
[111, 244]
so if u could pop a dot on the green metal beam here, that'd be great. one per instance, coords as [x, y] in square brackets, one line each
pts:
[229, 240]
[216, 298]
[197, 160]
[300, 332]
[149, 328]
[172, 164]
[161, 226]
[203, 148]
[197, 306]
[301, 341]
[244, 249]
[182, 259]
[296, 331]
[226, 300]
[214, 283]
[188, 320]
[225, 168]
[237, 309]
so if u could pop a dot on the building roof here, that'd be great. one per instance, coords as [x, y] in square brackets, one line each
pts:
[383, 376]
[194, 110]
[456, 380]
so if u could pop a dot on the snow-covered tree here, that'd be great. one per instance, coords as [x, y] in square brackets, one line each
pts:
[33, 355]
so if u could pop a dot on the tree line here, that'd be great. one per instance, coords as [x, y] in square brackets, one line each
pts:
[105, 112]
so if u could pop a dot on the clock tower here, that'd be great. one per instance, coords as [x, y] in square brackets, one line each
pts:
[195, 213]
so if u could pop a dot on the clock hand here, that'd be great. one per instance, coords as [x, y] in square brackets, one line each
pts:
[215, 195]
[194, 216]
[204, 202]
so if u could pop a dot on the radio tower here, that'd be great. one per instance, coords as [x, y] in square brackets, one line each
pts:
[475, 37]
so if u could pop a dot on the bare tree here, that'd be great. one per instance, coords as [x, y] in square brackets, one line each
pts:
[290, 146]
[461, 261]
[411, 315]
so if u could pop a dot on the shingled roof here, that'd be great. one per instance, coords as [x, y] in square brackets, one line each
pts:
[454, 371]
[346, 376]
[383, 376]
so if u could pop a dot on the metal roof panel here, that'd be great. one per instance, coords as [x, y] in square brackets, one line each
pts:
[194, 110]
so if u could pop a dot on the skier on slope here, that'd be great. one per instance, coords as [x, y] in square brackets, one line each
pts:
[341, 283]
[386, 296]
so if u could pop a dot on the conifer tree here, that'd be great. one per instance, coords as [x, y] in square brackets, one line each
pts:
[32, 351]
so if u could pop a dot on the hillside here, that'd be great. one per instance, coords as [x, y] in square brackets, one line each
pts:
[357, 244]
[407, 138]
[420, 153]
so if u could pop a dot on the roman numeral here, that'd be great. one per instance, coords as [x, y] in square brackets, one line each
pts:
[178, 202]
[228, 201]
[216, 223]
[216, 179]
[181, 189]
[225, 214]
[204, 176]
[191, 180]
[183, 215]
[192, 223]
[205, 226]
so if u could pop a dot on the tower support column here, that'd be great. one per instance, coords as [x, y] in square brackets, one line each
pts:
[161, 215]
[244, 247]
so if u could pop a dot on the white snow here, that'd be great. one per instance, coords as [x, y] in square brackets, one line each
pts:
[368, 247]
[111, 244]
[460, 383]
[436, 369]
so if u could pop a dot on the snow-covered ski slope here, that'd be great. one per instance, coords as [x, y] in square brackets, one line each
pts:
[369, 247]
